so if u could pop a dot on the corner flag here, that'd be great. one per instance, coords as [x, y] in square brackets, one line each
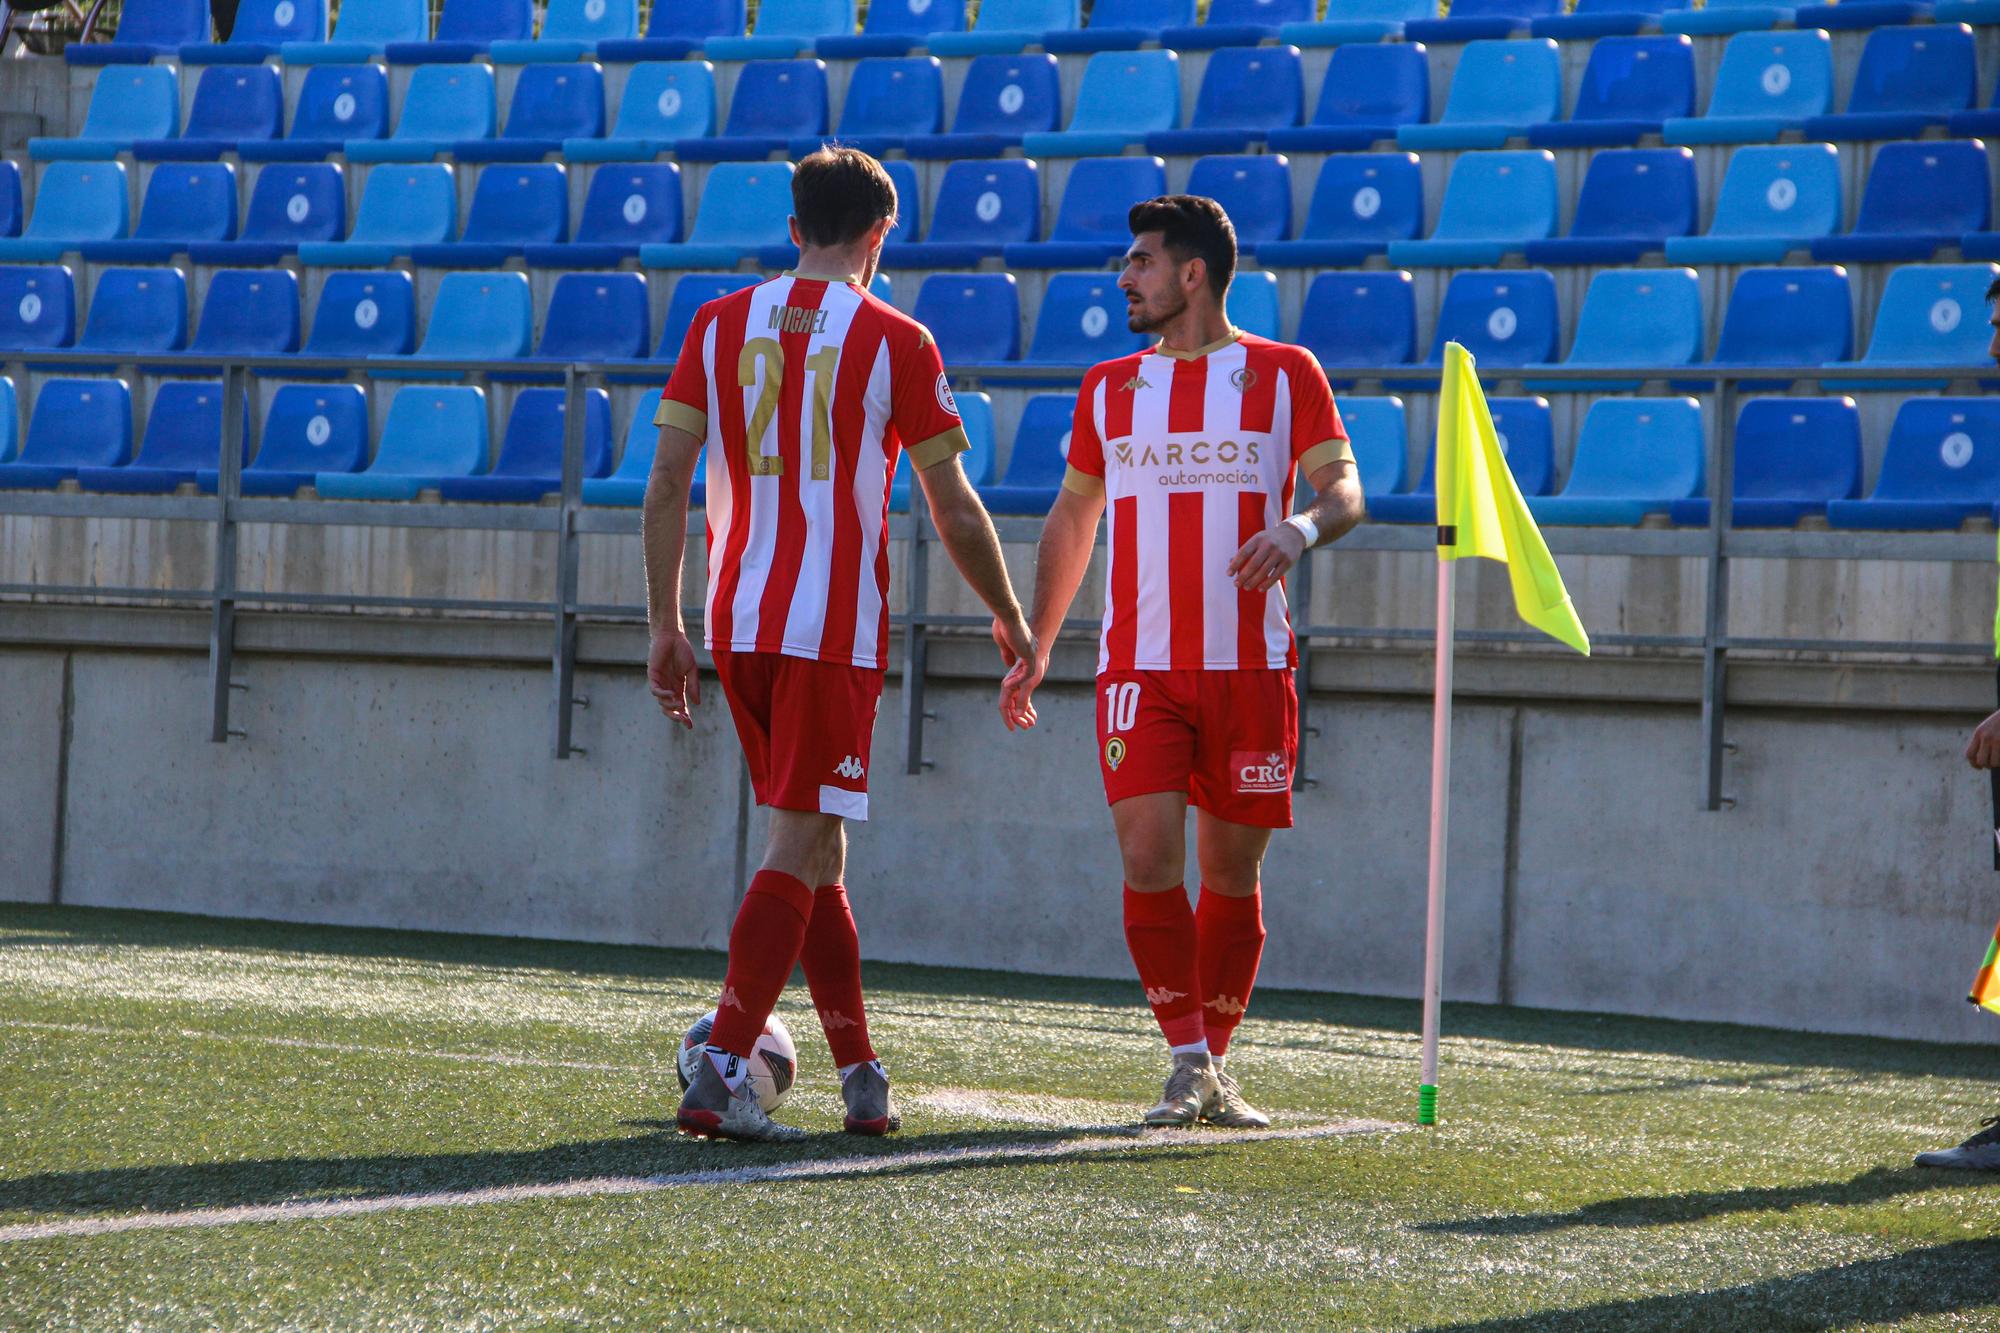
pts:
[1986, 986]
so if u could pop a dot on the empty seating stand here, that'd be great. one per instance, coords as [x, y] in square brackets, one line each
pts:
[364, 30]
[573, 30]
[337, 104]
[976, 317]
[128, 105]
[1776, 198]
[402, 207]
[1378, 432]
[1368, 94]
[290, 205]
[1634, 457]
[1246, 93]
[1920, 198]
[432, 432]
[134, 311]
[1004, 99]
[1525, 432]
[552, 105]
[676, 31]
[233, 106]
[37, 307]
[894, 28]
[1929, 315]
[1121, 25]
[1039, 460]
[1361, 320]
[147, 30]
[513, 206]
[75, 423]
[1494, 204]
[628, 205]
[445, 107]
[1785, 317]
[1125, 96]
[1082, 322]
[1505, 319]
[1362, 204]
[1631, 87]
[1239, 23]
[77, 202]
[186, 203]
[249, 312]
[1633, 201]
[785, 28]
[1091, 226]
[1359, 21]
[467, 29]
[362, 315]
[1643, 318]
[1500, 88]
[663, 103]
[1768, 83]
[1470, 20]
[888, 100]
[1909, 80]
[184, 432]
[310, 429]
[261, 30]
[531, 454]
[776, 101]
[982, 207]
[1254, 189]
[1941, 467]
[1794, 456]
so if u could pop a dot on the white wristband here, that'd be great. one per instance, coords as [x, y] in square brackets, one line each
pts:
[1306, 527]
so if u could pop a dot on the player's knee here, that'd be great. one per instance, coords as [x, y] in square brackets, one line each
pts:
[1150, 870]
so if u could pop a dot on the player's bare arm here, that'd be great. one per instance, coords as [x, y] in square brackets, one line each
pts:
[670, 661]
[1337, 506]
[967, 532]
[1068, 536]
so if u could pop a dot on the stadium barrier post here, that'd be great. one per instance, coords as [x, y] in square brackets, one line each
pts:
[916, 642]
[222, 620]
[1715, 622]
[564, 664]
[1440, 827]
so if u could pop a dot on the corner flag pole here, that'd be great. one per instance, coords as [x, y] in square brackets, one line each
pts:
[1440, 828]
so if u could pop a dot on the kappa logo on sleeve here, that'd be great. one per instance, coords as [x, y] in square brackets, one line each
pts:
[1257, 771]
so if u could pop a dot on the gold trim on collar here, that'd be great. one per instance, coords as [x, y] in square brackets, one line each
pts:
[847, 278]
[1198, 353]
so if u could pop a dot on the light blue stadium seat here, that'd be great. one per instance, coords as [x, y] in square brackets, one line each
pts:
[432, 432]
[1638, 317]
[1726, 16]
[402, 207]
[1501, 87]
[249, 312]
[1776, 198]
[1362, 203]
[1975, 12]
[573, 30]
[1526, 435]
[480, 316]
[1599, 18]
[1091, 226]
[628, 205]
[976, 410]
[1504, 319]
[362, 315]
[1861, 15]
[445, 106]
[889, 98]
[1475, 20]
[663, 103]
[1929, 315]
[1357, 21]
[128, 104]
[1082, 322]
[337, 104]
[1631, 87]
[775, 102]
[37, 307]
[1369, 93]
[1121, 25]
[1920, 198]
[1769, 82]
[187, 203]
[1378, 433]
[77, 202]
[1239, 23]
[76, 423]
[233, 105]
[183, 433]
[1255, 189]
[135, 310]
[1039, 459]
[309, 429]
[514, 205]
[1252, 304]
[553, 105]
[596, 317]
[262, 28]
[466, 30]
[147, 30]
[975, 317]
[1941, 467]
[1787, 317]
[785, 28]
[1494, 204]
[895, 28]
[531, 453]
[627, 485]
[1633, 201]
[678, 30]
[364, 29]
[1910, 79]
[1125, 96]
[744, 206]
[1008, 27]
[1634, 457]
[982, 207]
[1363, 320]
[290, 205]
[1004, 99]
[1246, 93]
[10, 198]
[692, 291]
[1793, 456]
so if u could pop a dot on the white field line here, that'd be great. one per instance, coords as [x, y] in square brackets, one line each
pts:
[338, 1047]
[1132, 1140]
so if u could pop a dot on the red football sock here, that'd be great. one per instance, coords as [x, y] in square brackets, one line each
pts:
[1159, 929]
[832, 960]
[763, 948]
[1230, 941]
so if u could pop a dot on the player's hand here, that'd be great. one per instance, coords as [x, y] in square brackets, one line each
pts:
[1003, 640]
[671, 672]
[1267, 557]
[1983, 750]
[1017, 705]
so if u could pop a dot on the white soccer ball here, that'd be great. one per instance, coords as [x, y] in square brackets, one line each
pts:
[774, 1060]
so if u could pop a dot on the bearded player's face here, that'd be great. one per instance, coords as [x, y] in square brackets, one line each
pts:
[1152, 283]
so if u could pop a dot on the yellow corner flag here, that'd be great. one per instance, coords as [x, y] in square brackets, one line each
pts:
[1480, 509]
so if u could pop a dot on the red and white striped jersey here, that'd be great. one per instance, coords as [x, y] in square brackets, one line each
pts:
[1196, 453]
[805, 390]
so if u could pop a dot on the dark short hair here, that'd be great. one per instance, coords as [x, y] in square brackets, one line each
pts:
[1993, 291]
[838, 194]
[1192, 226]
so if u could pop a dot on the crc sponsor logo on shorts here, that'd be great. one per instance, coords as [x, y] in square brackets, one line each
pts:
[1114, 752]
[1255, 771]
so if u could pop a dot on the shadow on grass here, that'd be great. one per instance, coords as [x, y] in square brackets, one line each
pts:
[1935, 1280]
[1876, 1186]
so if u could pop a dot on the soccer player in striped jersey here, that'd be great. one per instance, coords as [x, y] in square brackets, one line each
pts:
[1194, 445]
[805, 388]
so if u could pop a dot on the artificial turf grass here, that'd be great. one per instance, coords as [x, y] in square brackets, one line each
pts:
[1591, 1172]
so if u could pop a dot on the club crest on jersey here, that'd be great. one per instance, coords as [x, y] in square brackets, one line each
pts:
[1260, 771]
[944, 395]
[1114, 752]
[1136, 383]
[1244, 378]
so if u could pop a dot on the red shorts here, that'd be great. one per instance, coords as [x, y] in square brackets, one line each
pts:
[1226, 738]
[806, 727]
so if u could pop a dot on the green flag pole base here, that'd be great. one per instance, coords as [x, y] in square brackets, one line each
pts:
[1427, 1104]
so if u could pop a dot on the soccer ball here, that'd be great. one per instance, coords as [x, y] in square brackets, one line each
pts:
[773, 1060]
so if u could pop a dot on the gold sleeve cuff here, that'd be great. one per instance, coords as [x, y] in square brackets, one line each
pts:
[1083, 483]
[938, 448]
[682, 417]
[1326, 451]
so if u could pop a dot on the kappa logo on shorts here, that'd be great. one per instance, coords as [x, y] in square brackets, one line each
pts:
[1260, 771]
[849, 768]
[1114, 752]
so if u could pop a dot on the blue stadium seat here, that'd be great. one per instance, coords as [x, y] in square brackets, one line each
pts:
[975, 317]
[77, 202]
[433, 432]
[1631, 88]
[1776, 198]
[628, 205]
[1641, 317]
[531, 454]
[1634, 457]
[1726, 16]
[1941, 467]
[1500, 89]
[76, 423]
[309, 429]
[1004, 99]
[1633, 200]
[445, 106]
[678, 30]
[1239, 23]
[744, 206]
[1082, 322]
[1125, 96]
[775, 102]
[1793, 456]
[364, 29]
[1920, 198]
[1369, 93]
[1909, 80]
[1929, 315]
[362, 315]
[1362, 320]
[183, 433]
[1361, 205]
[262, 28]
[692, 291]
[982, 207]
[187, 203]
[1474, 20]
[627, 485]
[1121, 25]
[514, 205]
[249, 312]
[1358, 21]
[37, 307]
[1494, 204]
[572, 30]
[1860, 15]
[1526, 435]
[233, 105]
[1504, 319]
[596, 317]
[134, 310]
[1246, 92]
[10, 419]
[1008, 27]
[1787, 317]
[894, 28]
[1252, 304]
[1039, 459]
[337, 104]
[976, 410]
[1091, 224]
[785, 28]
[480, 316]
[553, 104]
[1769, 82]
[1378, 433]
[147, 30]
[1255, 189]
[127, 105]
[1599, 18]
[10, 198]
[889, 98]
[663, 103]
[466, 29]
[290, 205]
[401, 207]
